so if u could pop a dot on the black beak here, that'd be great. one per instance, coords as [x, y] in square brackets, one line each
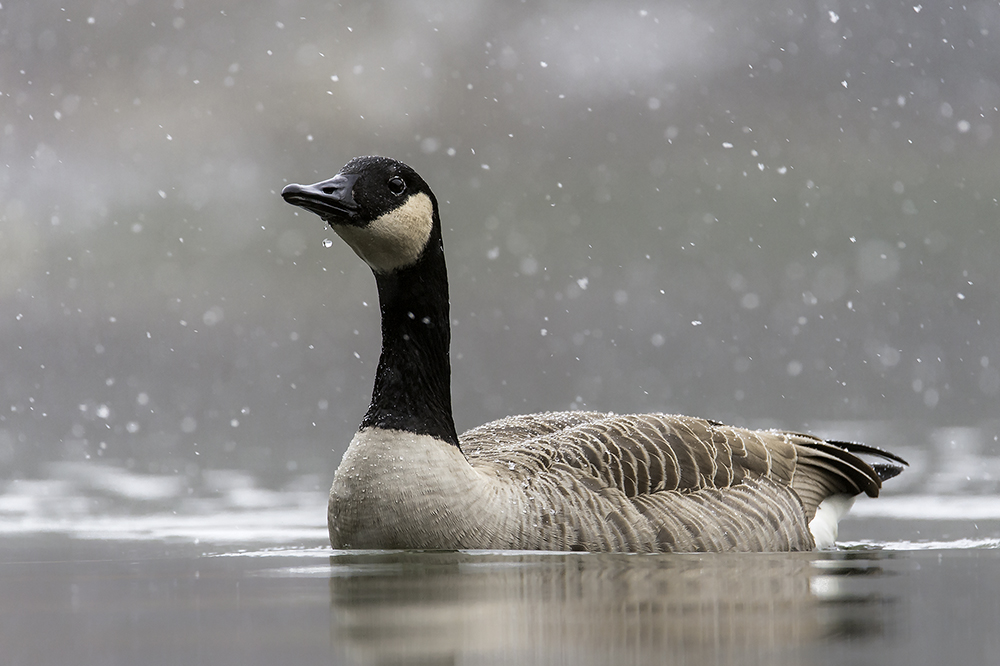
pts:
[332, 200]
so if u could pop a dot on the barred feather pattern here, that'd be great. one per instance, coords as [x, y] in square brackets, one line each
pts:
[590, 481]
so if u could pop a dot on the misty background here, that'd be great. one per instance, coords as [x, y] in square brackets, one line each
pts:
[769, 213]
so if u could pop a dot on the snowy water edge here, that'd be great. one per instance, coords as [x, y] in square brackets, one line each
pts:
[231, 509]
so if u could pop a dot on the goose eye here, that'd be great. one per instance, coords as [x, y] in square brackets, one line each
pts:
[396, 185]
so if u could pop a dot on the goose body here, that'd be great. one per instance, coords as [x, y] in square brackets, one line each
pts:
[553, 481]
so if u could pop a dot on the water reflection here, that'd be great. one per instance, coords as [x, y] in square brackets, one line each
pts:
[583, 609]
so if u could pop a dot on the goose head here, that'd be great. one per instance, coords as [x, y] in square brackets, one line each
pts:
[380, 207]
[389, 217]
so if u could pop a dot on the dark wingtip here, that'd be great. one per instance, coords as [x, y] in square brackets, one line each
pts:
[892, 466]
[856, 447]
[886, 471]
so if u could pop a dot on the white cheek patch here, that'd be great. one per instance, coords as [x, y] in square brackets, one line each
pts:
[396, 239]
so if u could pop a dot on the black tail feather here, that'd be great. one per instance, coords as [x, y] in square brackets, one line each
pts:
[857, 447]
[885, 470]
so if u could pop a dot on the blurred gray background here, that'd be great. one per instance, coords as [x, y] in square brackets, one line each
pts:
[770, 213]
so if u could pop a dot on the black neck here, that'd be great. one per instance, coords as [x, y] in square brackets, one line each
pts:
[413, 382]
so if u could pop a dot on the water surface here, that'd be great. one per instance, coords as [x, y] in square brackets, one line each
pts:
[914, 583]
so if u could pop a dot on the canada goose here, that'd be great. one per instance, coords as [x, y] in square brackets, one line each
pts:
[554, 481]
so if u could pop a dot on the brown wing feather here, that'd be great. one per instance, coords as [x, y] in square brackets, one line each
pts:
[516, 430]
[644, 454]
